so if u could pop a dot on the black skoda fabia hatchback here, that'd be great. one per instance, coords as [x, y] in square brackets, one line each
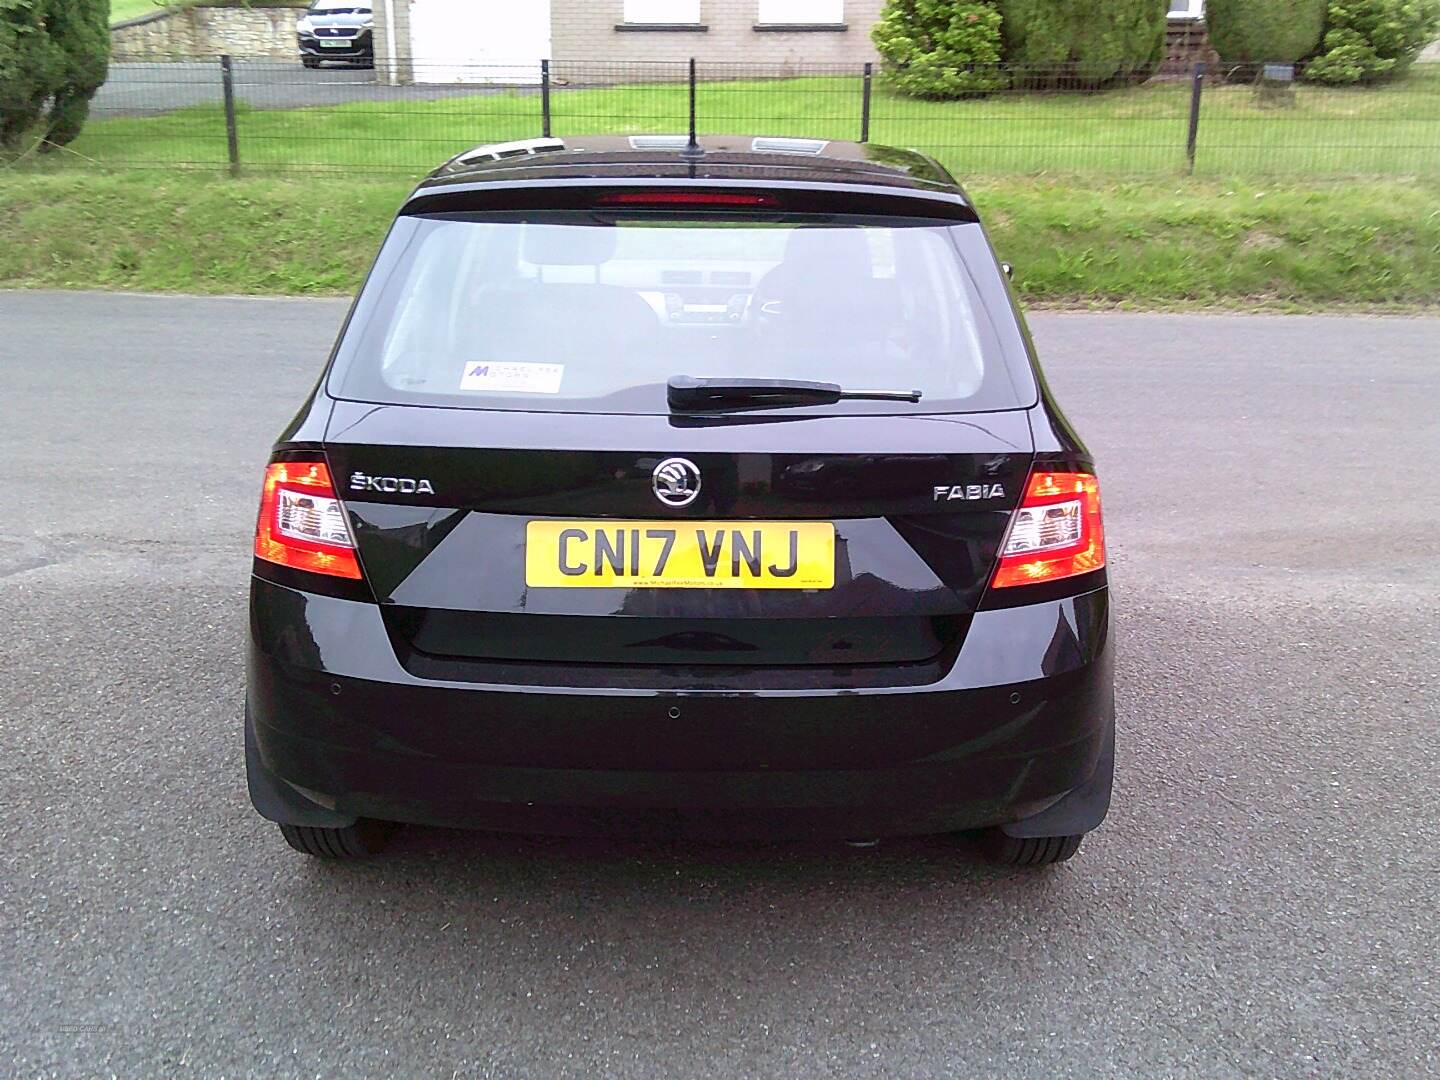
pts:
[654, 488]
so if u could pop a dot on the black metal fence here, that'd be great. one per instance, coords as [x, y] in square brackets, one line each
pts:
[267, 115]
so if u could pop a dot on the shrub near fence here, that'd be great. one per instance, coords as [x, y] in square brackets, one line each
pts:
[282, 118]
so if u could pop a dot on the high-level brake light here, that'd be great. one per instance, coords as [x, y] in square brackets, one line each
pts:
[1057, 531]
[686, 198]
[302, 524]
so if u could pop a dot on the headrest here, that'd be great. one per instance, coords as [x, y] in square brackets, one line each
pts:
[568, 245]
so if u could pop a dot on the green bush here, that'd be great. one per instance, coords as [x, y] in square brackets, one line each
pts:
[53, 57]
[27, 64]
[1095, 42]
[940, 48]
[80, 30]
[1254, 31]
[1367, 40]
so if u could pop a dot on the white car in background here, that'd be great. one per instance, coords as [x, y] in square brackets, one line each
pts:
[336, 30]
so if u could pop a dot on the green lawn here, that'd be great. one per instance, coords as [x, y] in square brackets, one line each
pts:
[1152, 244]
[1391, 129]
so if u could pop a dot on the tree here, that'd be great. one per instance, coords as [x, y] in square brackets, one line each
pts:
[1253, 31]
[1367, 40]
[940, 48]
[26, 65]
[54, 55]
[1090, 42]
[81, 31]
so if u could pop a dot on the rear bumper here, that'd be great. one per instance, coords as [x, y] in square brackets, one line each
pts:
[338, 728]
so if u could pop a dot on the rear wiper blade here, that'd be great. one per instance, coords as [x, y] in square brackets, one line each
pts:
[689, 393]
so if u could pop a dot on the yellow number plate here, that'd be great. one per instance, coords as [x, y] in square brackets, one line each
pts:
[680, 554]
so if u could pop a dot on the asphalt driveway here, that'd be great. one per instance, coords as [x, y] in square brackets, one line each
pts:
[1261, 902]
[144, 89]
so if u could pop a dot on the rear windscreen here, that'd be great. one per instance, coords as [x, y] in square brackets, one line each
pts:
[581, 312]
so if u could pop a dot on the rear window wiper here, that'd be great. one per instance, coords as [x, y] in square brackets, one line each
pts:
[687, 393]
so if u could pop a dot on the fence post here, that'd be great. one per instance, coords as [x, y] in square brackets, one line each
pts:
[694, 143]
[1197, 82]
[545, 98]
[232, 135]
[865, 104]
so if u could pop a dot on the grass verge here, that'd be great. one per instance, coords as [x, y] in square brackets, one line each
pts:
[1392, 129]
[1199, 243]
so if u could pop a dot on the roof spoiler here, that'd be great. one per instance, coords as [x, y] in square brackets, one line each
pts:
[456, 194]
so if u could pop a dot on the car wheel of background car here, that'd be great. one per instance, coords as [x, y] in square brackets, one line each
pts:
[352, 842]
[1028, 850]
[310, 61]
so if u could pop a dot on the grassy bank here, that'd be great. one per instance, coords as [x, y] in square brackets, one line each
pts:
[1391, 129]
[1178, 244]
[120, 10]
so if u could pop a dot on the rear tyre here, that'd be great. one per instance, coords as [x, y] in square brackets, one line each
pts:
[352, 842]
[1027, 850]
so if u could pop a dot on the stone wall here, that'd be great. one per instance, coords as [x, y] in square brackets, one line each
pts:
[207, 31]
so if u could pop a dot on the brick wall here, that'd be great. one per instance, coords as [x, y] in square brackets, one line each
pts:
[585, 30]
[392, 65]
[1187, 43]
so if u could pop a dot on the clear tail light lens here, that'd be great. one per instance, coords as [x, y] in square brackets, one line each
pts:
[1057, 531]
[302, 524]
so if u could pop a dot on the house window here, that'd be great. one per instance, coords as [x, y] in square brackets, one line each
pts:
[1187, 9]
[801, 12]
[663, 12]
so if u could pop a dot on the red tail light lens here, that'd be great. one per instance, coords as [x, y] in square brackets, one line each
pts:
[1057, 531]
[686, 198]
[302, 524]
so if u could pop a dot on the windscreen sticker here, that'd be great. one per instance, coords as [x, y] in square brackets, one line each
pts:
[512, 377]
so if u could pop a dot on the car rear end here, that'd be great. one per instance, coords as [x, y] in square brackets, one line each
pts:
[501, 580]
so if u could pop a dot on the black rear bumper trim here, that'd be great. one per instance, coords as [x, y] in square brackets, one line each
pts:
[1080, 811]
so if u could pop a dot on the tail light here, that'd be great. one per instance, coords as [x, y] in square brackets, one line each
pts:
[1056, 532]
[302, 524]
